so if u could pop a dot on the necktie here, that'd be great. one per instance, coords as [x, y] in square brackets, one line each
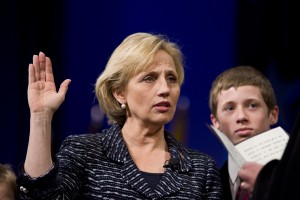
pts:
[242, 195]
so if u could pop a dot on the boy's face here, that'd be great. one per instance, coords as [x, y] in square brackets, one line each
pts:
[243, 113]
[6, 193]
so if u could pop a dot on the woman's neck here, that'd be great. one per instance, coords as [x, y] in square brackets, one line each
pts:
[148, 149]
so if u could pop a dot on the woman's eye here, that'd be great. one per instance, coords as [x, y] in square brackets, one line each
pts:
[172, 79]
[149, 79]
[228, 108]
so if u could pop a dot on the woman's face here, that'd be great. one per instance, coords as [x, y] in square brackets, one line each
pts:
[152, 95]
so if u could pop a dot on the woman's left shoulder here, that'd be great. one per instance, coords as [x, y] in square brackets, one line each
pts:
[199, 156]
[82, 141]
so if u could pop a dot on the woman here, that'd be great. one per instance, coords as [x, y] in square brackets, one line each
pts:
[138, 91]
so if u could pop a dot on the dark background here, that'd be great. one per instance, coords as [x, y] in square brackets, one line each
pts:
[79, 37]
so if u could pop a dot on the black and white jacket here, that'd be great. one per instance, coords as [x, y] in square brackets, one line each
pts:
[98, 166]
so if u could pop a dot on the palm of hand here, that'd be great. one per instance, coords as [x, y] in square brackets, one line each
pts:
[42, 96]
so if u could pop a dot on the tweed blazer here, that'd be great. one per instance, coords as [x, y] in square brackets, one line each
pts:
[99, 166]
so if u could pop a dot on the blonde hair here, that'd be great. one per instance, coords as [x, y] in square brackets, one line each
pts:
[241, 76]
[8, 176]
[131, 57]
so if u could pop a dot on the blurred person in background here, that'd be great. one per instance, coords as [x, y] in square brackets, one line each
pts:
[8, 183]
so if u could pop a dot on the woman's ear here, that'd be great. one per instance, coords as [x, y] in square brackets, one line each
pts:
[120, 97]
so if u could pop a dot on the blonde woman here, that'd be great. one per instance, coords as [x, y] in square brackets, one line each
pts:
[136, 158]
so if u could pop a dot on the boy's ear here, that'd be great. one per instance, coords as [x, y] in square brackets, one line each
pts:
[119, 95]
[274, 115]
[214, 121]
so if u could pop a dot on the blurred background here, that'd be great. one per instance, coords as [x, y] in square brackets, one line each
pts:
[79, 37]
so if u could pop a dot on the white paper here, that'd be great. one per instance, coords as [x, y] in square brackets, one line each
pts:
[261, 148]
[264, 147]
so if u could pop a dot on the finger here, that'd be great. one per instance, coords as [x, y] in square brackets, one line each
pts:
[36, 65]
[248, 165]
[31, 77]
[241, 173]
[42, 61]
[64, 86]
[246, 186]
[243, 184]
[49, 71]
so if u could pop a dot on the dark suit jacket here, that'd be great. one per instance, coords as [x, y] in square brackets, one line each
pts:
[280, 180]
[225, 181]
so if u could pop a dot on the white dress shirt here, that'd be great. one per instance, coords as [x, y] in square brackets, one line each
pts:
[234, 180]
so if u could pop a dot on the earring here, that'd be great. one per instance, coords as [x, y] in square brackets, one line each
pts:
[123, 106]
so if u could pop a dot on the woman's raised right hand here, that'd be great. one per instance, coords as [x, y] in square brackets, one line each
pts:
[42, 94]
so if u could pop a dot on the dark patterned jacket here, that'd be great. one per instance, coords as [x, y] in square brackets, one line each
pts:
[98, 166]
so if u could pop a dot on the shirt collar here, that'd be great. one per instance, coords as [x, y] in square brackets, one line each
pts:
[233, 169]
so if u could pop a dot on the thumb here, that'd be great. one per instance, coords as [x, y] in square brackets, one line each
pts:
[63, 88]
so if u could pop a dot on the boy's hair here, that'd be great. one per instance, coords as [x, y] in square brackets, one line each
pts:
[241, 76]
[8, 176]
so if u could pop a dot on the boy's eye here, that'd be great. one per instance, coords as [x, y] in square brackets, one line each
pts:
[252, 105]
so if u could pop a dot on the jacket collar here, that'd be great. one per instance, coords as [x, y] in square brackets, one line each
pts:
[115, 148]
[172, 180]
